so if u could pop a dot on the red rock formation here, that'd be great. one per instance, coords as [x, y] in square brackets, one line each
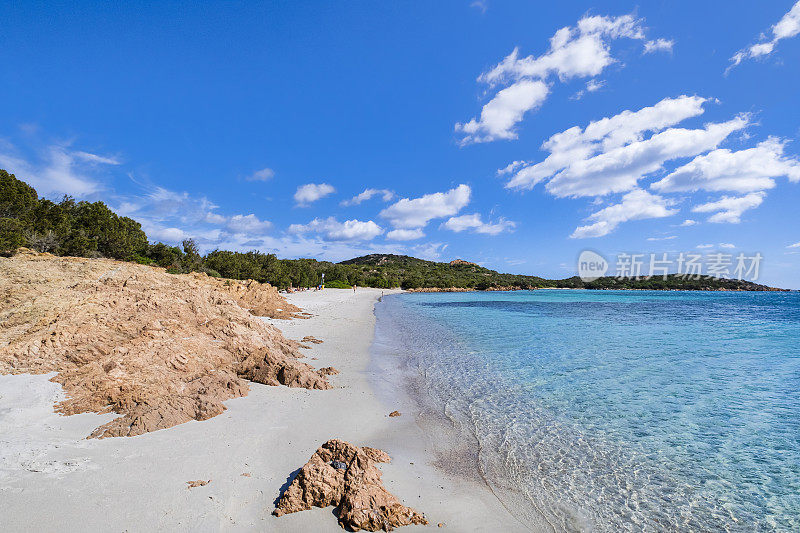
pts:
[345, 476]
[157, 348]
[455, 262]
[261, 299]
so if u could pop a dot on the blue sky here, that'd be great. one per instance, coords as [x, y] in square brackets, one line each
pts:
[256, 125]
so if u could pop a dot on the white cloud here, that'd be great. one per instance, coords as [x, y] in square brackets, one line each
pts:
[311, 192]
[503, 112]
[635, 205]
[171, 216]
[416, 213]
[474, 223]
[94, 158]
[61, 170]
[594, 85]
[61, 175]
[575, 144]
[787, 27]
[333, 230]
[265, 174]
[795, 245]
[688, 222]
[614, 154]
[163, 204]
[299, 245]
[722, 245]
[216, 218]
[730, 208]
[322, 240]
[247, 224]
[367, 194]
[405, 234]
[753, 169]
[621, 168]
[658, 45]
[430, 251]
[582, 51]
[591, 86]
[667, 238]
[510, 168]
[480, 5]
[162, 230]
[158, 233]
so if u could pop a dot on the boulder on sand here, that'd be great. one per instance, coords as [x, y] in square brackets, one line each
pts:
[346, 477]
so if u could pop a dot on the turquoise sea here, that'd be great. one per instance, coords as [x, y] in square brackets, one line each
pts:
[616, 410]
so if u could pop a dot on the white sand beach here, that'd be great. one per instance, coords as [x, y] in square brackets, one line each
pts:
[53, 479]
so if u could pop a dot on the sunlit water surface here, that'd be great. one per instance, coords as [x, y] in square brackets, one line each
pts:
[617, 410]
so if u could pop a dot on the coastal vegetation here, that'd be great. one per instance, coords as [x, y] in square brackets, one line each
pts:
[336, 284]
[92, 229]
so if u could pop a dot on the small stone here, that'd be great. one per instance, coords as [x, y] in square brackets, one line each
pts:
[395, 413]
[339, 465]
[197, 483]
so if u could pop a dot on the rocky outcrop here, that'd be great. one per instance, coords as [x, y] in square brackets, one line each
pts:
[156, 348]
[346, 477]
[441, 289]
[455, 262]
[261, 299]
[462, 289]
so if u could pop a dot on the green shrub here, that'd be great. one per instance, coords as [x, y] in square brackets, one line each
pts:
[12, 234]
[142, 260]
[336, 284]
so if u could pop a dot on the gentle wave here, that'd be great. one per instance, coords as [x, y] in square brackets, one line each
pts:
[617, 411]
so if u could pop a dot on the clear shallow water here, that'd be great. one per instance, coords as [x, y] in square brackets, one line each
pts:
[617, 410]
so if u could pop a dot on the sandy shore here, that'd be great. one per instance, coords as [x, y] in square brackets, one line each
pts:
[53, 479]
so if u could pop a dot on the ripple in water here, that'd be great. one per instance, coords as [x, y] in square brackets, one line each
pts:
[618, 411]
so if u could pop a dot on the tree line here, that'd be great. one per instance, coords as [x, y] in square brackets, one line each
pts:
[91, 229]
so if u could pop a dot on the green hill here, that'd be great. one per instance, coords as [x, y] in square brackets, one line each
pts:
[416, 273]
[413, 273]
